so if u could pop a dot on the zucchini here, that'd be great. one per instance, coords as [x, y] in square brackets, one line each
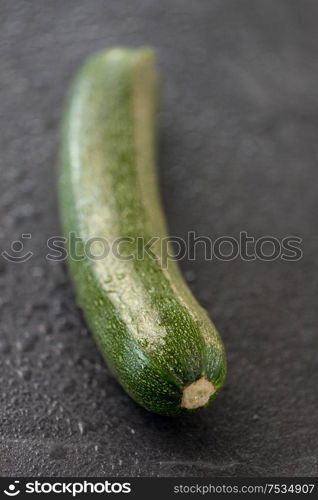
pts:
[158, 342]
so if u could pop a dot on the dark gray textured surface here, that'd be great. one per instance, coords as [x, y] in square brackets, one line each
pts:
[238, 152]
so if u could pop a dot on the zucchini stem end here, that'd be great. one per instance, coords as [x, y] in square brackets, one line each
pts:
[197, 394]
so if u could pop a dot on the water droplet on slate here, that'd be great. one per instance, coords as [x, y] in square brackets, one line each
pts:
[82, 428]
[24, 373]
[37, 272]
[58, 452]
[190, 276]
[26, 344]
[4, 347]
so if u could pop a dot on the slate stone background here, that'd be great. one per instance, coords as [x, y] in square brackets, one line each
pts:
[238, 151]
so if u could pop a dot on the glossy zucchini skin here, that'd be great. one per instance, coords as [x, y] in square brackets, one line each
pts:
[155, 337]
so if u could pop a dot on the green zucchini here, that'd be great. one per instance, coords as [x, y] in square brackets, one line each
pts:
[157, 340]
